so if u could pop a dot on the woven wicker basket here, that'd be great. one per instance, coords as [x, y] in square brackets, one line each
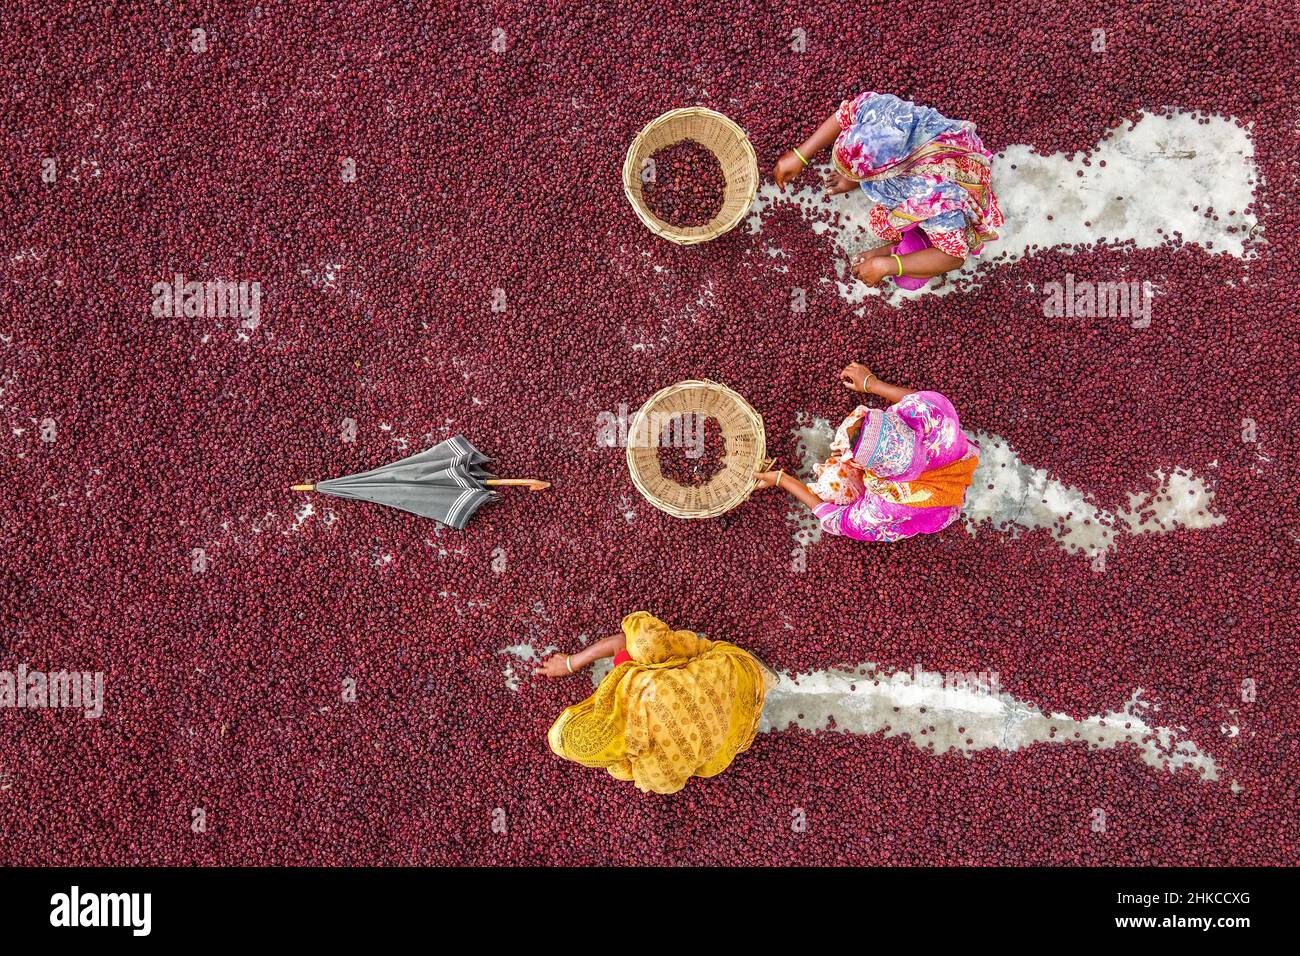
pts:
[720, 136]
[746, 443]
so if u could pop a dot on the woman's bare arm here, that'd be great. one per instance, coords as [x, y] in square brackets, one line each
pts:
[788, 483]
[856, 377]
[890, 393]
[559, 665]
[790, 165]
[928, 263]
[824, 136]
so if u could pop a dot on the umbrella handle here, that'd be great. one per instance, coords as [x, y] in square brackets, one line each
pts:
[532, 484]
[302, 487]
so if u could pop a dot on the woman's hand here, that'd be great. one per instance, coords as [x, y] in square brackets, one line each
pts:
[555, 666]
[787, 169]
[788, 483]
[837, 184]
[871, 269]
[856, 376]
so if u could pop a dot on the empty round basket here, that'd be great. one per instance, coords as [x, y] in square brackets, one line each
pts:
[741, 428]
[720, 136]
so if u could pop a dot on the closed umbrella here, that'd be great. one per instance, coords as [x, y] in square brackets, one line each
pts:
[447, 483]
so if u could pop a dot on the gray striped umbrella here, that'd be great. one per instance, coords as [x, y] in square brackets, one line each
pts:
[447, 483]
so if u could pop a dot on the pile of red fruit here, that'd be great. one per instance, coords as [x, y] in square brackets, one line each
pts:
[437, 253]
[695, 460]
[688, 185]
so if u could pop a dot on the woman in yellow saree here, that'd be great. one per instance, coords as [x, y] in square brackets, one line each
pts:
[675, 706]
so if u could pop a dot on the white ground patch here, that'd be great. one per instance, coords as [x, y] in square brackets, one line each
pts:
[534, 629]
[12, 414]
[939, 712]
[301, 515]
[1170, 170]
[813, 437]
[1010, 495]
[83, 169]
[403, 442]
[446, 543]
[966, 715]
[523, 658]
[323, 275]
[1013, 497]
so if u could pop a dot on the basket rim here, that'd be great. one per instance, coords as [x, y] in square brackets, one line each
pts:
[749, 412]
[686, 236]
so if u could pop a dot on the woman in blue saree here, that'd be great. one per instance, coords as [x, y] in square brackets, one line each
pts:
[929, 176]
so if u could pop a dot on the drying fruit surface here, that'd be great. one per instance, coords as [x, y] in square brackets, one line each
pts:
[429, 199]
[687, 186]
[692, 449]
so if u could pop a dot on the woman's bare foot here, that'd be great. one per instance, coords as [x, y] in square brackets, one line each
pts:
[837, 184]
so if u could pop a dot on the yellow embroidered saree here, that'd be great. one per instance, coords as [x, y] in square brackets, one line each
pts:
[683, 706]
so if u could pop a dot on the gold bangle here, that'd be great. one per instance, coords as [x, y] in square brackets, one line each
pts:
[899, 261]
[795, 150]
[568, 662]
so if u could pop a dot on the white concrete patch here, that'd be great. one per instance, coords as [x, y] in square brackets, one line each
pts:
[12, 412]
[403, 442]
[966, 715]
[461, 604]
[1010, 495]
[288, 520]
[813, 437]
[1169, 170]
[1013, 497]
[533, 627]
[83, 169]
[322, 276]
[458, 548]
[302, 514]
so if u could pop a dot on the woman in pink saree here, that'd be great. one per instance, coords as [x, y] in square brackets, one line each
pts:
[892, 474]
